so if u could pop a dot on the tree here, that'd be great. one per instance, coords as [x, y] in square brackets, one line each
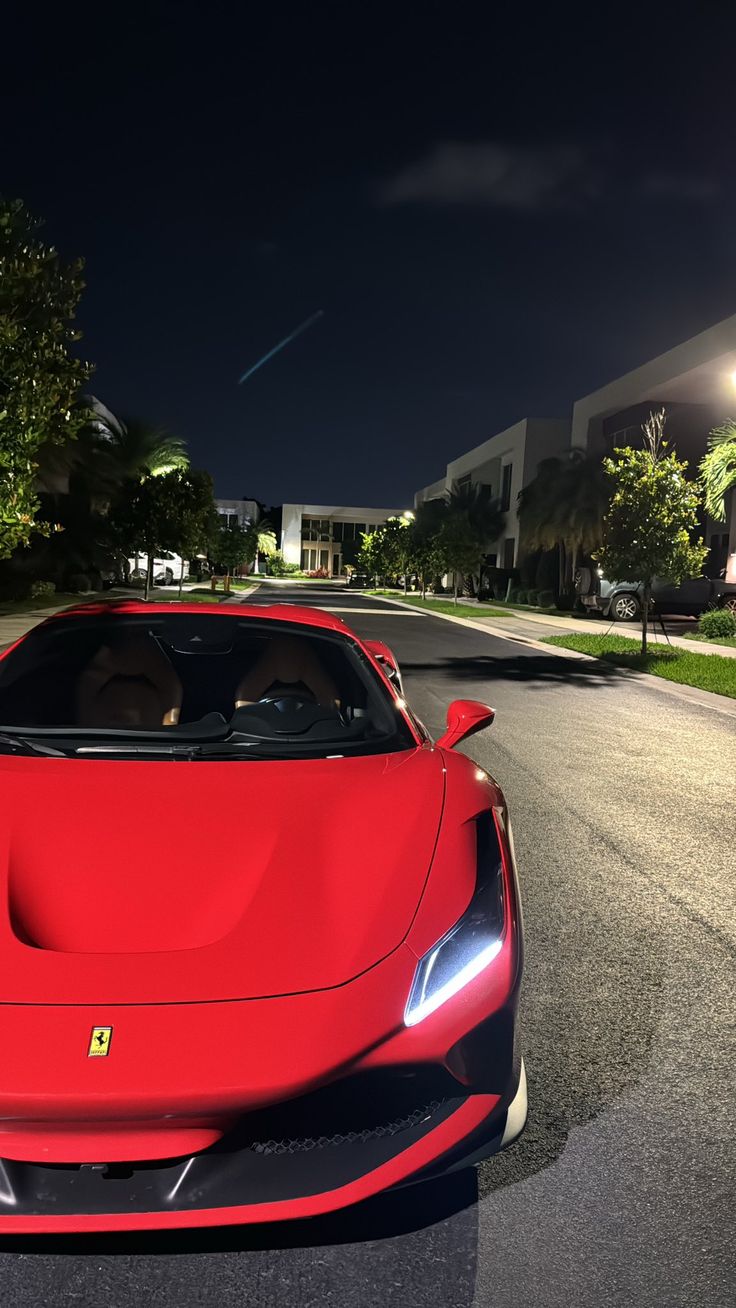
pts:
[371, 556]
[485, 516]
[117, 450]
[562, 508]
[261, 539]
[232, 545]
[460, 546]
[163, 513]
[39, 378]
[718, 469]
[426, 529]
[191, 512]
[649, 524]
[387, 550]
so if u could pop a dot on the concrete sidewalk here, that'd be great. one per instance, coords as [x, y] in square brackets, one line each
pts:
[535, 626]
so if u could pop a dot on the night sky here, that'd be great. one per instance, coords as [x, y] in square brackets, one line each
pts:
[498, 210]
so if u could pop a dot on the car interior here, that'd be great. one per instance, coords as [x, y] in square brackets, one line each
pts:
[167, 672]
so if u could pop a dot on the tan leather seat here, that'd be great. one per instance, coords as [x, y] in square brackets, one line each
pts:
[130, 683]
[287, 660]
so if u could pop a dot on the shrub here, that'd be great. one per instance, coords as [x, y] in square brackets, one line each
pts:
[546, 599]
[519, 596]
[42, 590]
[279, 567]
[318, 572]
[532, 597]
[79, 581]
[717, 623]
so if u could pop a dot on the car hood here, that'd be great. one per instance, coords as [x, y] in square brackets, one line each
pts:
[157, 882]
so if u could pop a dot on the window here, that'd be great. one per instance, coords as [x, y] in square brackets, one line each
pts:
[337, 528]
[360, 529]
[508, 469]
[229, 519]
[462, 481]
[315, 529]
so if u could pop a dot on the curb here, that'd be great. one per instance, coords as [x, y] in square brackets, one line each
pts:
[691, 694]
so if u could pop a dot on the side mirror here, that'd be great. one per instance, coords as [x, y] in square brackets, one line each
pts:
[464, 718]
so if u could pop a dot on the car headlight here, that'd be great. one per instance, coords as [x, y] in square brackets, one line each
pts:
[475, 939]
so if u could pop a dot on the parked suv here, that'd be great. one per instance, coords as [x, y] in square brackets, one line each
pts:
[621, 600]
[166, 569]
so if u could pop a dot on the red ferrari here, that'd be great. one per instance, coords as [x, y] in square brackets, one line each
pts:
[261, 936]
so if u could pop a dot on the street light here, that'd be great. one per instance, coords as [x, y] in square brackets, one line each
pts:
[408, 516]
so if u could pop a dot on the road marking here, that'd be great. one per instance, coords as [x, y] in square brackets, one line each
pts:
[384, 613]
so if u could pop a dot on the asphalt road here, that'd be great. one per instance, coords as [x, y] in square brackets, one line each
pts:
[622, 1190]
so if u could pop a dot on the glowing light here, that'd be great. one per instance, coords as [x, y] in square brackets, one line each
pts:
[732, 376]
[466, 974]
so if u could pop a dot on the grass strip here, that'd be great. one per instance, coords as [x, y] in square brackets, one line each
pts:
[458, 610]
[714, 672]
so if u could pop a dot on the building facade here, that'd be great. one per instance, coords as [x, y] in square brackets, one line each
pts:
[505, 462]
[327, 536]
[238, 513]
[695, 383]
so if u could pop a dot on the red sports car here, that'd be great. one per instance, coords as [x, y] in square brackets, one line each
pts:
[260, 935]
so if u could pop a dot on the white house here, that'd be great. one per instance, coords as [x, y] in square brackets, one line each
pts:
[327, 535]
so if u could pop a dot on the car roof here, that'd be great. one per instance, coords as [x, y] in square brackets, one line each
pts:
[311, 617]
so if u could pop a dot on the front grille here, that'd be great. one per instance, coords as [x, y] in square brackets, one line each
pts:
[306, 1146]
[309, 1143]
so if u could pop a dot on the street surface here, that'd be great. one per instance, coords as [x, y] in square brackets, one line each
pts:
[622, 1189]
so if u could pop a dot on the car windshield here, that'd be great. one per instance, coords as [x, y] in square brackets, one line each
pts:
[193, 685]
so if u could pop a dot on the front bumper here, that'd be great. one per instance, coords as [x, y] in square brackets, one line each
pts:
[313, 1102]
[245, 1179]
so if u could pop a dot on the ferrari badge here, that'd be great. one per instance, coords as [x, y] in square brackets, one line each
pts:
[99, 1042]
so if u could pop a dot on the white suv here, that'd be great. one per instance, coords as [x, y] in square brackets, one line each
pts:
[167, 569]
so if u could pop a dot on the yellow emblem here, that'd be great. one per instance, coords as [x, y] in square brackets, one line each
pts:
[99, 1042]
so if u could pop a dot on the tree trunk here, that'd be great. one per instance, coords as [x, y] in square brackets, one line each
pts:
[644, 615]
[573, 566]
[181, 578]
[149, 575]
[561, 562]
[454, 588]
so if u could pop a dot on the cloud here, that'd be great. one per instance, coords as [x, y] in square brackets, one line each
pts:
[679, 186]
[494, 176]
[532, 179]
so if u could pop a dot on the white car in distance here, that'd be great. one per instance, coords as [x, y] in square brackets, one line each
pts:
[168, 568]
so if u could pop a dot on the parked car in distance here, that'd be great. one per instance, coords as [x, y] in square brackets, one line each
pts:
[167, 569]
[621, 600]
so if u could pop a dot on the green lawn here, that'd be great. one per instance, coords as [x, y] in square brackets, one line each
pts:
[706, 671]
[61, 600]
[712, 640]
[458, 610]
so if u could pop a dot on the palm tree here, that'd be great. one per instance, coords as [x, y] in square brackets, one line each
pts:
[563, 508]
[259, 538]
[718, 469]
[130, 449]
[484, 515]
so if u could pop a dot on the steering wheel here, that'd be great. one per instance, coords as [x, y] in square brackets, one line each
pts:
[299, 694]
[287, 711]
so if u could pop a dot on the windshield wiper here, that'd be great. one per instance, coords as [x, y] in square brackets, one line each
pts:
[23, 746]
